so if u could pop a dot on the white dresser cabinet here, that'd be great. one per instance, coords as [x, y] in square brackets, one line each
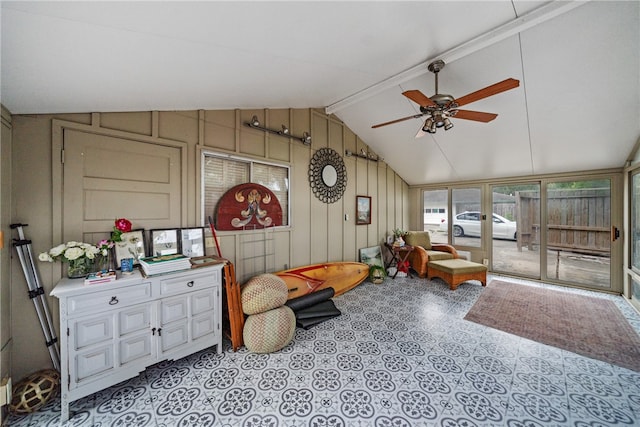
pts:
[111, 332]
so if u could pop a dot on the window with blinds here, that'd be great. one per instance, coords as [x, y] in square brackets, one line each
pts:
[224, 172]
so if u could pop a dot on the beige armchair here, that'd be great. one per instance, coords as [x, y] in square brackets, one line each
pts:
[424, 251]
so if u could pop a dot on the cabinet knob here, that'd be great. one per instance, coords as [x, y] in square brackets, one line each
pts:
[114, 301]
[153, 331]
[190, 283]
[159, 332]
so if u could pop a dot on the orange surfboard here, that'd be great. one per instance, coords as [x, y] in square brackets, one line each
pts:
[341, 276]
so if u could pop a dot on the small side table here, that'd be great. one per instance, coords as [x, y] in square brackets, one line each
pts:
[399, 255]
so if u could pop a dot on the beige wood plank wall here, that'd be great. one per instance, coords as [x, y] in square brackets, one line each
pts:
[318, 232]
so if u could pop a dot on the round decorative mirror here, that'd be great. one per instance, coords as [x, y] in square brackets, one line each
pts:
[327, 175]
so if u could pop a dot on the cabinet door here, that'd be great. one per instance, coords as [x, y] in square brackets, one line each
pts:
[203, 314]
[99, 344]
[91, 347]
[135, 338]
[173, 330]
[188, 322]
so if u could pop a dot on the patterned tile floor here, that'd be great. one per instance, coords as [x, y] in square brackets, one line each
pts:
[400, 355]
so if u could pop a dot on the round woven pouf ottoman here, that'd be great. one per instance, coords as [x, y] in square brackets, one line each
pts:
[262, 293]
[33, 392]
[269, 331]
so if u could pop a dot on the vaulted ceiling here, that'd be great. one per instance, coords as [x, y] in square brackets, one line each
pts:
[577, 107]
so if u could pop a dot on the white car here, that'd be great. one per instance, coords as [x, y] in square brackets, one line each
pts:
[468, 224]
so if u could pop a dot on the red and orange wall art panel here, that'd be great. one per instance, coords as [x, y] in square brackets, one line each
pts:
[248, 206]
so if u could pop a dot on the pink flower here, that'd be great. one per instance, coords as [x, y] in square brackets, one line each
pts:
[105, 244]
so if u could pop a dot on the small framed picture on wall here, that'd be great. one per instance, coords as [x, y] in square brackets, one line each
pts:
[363, 210]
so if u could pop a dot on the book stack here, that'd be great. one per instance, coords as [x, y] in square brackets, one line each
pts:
[163, 264]
[104, 276]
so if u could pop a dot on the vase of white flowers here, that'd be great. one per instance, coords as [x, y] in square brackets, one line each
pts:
[79, 257]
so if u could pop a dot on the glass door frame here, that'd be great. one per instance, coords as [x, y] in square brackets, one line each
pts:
[616, 221]
[631, 271]
[483, 253]
[490, 242]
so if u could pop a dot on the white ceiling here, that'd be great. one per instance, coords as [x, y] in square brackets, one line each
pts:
[577, 107]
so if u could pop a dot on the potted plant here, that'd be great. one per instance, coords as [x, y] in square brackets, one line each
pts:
[377, 274]
[399, 237]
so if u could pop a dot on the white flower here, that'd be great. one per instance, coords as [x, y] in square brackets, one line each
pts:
[73, 253]
[70, 251]
[91, 251]
[44, 256]
[58, 250]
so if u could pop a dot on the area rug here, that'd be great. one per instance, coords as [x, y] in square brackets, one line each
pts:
[589, 326]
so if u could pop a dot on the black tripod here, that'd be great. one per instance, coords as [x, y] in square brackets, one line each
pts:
[36, 293]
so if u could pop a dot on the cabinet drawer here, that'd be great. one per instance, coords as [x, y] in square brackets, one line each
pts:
[109, 299]
[190, 282]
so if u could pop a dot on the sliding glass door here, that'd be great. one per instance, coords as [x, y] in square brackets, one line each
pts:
[516, 229]
[579, 232]
[560, 230]
[466, 227]
[467, 218]
[436, 206]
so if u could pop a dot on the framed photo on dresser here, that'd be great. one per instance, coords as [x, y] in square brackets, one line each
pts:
[192, 241]
[132, 245]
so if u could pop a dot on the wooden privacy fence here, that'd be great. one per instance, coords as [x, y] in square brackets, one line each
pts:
[578, 220]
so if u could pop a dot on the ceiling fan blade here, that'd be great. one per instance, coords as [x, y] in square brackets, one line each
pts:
[478, 116]
[419, 98]
[415, 116]
[488, 91]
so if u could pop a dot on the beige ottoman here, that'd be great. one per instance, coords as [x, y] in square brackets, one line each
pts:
[456, 271]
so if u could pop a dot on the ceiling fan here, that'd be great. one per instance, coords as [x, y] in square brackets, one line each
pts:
[440, 107]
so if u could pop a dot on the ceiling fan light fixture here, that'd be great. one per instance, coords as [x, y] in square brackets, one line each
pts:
[255, 121]
[285, 130]
[432, 128]
[427, 124]
[438, 120]
[447, 123]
